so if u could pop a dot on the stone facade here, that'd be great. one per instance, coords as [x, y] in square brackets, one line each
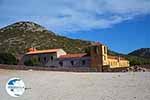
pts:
[42, 56]
[70, 62]
[116, 62]
[99, 58]
[96, 56]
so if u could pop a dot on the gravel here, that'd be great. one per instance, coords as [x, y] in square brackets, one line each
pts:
[48, 85]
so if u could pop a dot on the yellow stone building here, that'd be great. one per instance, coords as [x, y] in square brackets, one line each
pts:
[99, 58]
[96, 57]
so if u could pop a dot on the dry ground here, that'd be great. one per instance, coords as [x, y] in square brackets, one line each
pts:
[47, 85]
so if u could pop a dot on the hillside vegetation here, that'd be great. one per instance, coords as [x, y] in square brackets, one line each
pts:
[143, 52]
[18, 37]
[139, 56]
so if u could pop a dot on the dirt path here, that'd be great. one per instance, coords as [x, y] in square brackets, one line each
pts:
[47, 85]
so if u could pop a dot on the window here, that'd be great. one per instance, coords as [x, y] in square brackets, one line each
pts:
[105, 50]
[45, 59]
[39, 59]
[72, 62]
[97, 50]
[83, 62]
[61, 63]
[104, 57]
[52, 57]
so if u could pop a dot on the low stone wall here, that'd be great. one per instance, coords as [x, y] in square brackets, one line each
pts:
[22, 67]
[144, 66]
[108, 69]
[138, 68]
[76, 69]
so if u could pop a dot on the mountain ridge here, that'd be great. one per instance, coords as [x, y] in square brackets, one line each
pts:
[18, 37]
[142, 52]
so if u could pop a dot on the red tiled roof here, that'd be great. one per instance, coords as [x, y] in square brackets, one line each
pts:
[31, 49]
[112, 57]
[123, 58]
[43, 51]
[73, 55]
[115, 57]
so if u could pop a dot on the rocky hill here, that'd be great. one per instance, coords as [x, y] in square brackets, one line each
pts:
[143, 52]
[18, 37]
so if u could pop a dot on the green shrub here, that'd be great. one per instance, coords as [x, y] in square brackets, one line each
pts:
[8, 58]
[134, 60]
[32, 62]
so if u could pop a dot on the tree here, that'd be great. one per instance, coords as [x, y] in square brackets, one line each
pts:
[8, 58]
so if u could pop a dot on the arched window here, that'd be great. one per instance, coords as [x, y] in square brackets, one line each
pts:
[52, 57]
[45, 59]
[105, 50]
[72, 62]
[39, 59]
[83, 62]
[61, 63]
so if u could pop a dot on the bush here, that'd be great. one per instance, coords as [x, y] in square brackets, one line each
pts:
[32, 62]
[8, 58]
[134, 60]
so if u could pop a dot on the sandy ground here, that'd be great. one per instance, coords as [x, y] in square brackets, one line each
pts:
[47, 85]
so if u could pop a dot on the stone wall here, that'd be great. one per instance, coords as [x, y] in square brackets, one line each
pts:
[71, 69]
[71, 62]
[65, 69]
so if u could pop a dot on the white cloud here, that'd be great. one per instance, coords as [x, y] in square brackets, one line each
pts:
[65, 16]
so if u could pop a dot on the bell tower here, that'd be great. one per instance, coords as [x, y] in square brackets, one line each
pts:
[98, 54]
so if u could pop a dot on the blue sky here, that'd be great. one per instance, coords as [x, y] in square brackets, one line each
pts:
[123, 25]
